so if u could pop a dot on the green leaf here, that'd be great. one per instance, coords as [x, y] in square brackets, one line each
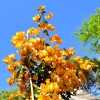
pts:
[43, 65]
[36, 92]
[34, 62]
[18, 73]
[46, 32]
[23, 77]
[45, 21]
[47, 44]
[38, 9]
[43, 12]
[95, 70]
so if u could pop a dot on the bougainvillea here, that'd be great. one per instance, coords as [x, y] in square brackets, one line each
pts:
[44, 71]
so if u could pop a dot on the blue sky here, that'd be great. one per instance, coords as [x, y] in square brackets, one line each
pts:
[16, 15]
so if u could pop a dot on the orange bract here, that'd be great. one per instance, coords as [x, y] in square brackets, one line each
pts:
[55, 38]
[35, 77]
[36, 18]
[11, 97]
[49, 16]
[41, 8]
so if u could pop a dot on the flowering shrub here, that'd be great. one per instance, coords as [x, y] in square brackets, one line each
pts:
[44, 72]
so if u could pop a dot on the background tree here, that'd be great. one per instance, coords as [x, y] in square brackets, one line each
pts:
[89, 32]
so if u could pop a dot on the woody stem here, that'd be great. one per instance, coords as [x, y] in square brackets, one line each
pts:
[32, 93]
[31, 89]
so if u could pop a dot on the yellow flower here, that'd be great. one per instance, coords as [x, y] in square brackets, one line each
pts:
[70, 65]
[78, 60]
[41, 8]
[71, 51]
[54, 77]
[45, 26]
[82, 76]
[41, 97]
[18, 93]
[9, 59]
[18, 39]
[14, 38]
[11, 67]
[56, 87]
[87, 65]
[36, 18]
[19, 44]
[50, 27]
[12, 56]
[49, 16]
[42, 26]
[23, 51]
[6, 60]
[56, 96]
[32, 31]
[47, 81]
[42, 53]
[11, 97]
[50, 87]
[50, 50]
[10, 81]
[55, 38]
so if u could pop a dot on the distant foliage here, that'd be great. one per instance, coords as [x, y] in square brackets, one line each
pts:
[89, 32]
[4, 95]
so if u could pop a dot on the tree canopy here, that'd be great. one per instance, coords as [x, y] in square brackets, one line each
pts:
[89, 32]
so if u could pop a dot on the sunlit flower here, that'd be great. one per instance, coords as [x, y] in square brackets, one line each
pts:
[41, 8]
[82, 76]
[49, 16]
[36, 18]
[11, 97]
[78, 60]
[55, 38]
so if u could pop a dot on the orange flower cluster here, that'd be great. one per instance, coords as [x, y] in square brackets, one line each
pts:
[49, 16]
[33, 32]
[18, 39]
[36, 18]
[40, 8]
[9, 59]
[38, 60]
[55, 38]
[45, 26]
[50, 87]
[87, 65]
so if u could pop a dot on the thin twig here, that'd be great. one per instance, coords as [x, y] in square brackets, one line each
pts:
[31, 89]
